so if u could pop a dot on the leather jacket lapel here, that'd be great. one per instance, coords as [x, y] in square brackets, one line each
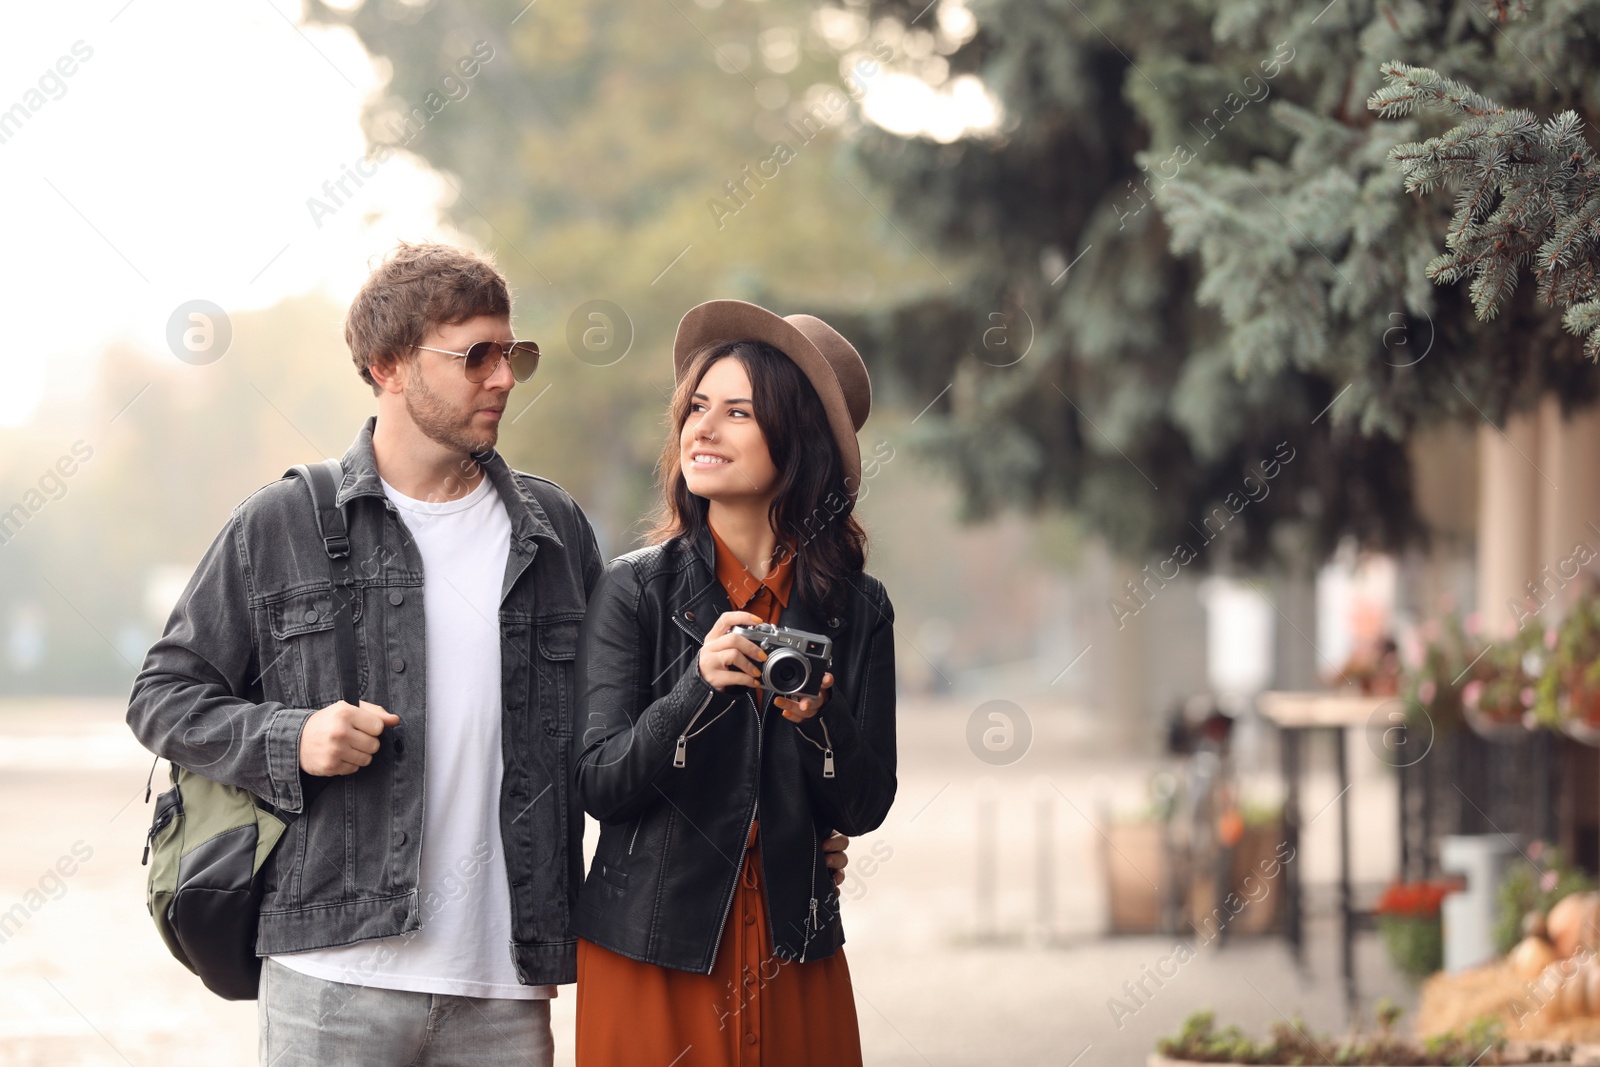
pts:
[698, 599]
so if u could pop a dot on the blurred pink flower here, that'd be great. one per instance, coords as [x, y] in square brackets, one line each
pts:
[1427, 690]
[1411, 649]
[1527, 696]
[1535, 850]
[1547, 881]
[1550, 637]
[1471, 692]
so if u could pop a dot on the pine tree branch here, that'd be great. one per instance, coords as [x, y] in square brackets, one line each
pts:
[1524, 195]
[1411, 89]
[1577, 230]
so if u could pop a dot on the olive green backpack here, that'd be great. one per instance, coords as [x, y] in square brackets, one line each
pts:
[208, 841]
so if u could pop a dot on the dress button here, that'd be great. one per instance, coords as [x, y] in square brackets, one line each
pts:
[311, 615]
[396, 597]
[749, 1039]
[749, 920]
[397, 665]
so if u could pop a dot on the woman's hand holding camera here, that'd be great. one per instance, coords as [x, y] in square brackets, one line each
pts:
[728, 659]
[803, 708]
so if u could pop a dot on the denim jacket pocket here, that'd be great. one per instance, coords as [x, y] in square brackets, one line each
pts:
[557, 642]
[305, 655]
[558, 639]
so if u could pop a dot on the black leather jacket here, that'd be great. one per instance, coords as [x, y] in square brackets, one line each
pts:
[672, 836]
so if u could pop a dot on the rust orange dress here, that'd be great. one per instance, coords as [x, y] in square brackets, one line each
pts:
[753, 1009]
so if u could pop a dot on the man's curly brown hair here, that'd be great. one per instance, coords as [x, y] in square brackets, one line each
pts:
[418, 287]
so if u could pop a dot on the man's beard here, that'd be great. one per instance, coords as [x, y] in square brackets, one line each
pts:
[434, 418]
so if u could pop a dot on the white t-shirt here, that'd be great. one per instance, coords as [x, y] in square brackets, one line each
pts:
[464, 945]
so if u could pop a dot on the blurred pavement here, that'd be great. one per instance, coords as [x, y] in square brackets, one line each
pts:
[86, 981]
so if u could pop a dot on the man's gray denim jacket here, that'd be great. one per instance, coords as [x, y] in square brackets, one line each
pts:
[248, 655]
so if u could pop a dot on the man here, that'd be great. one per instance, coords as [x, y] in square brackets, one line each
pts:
[417, 911]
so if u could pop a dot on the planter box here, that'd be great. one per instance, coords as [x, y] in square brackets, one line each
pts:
[1158, 1060]
[1255, 854]
[1134, 858]
[1580, 1056]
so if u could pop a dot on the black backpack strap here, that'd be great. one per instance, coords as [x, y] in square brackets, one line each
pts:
[323, 479]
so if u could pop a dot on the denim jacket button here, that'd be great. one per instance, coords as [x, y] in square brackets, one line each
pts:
[396, 597]
[399, 837]
[311, 615]
[397, 665]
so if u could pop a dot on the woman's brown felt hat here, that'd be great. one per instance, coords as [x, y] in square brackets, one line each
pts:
[829, 362]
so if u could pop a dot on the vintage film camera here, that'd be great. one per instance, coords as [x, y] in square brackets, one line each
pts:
[796, 660]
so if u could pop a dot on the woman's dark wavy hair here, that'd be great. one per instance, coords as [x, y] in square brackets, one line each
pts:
[811, 512]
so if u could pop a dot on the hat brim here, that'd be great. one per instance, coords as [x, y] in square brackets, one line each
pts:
[717, 321]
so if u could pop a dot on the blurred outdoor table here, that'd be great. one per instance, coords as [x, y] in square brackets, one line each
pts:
[1296, 713]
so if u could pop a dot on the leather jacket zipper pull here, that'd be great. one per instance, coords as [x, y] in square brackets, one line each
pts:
[814, 923]
[679, 752]
[827, 771]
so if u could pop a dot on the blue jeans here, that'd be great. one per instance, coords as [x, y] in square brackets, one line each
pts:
[310, 1022]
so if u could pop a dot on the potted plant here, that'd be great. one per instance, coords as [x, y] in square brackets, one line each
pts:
[1433, 687]
[1375, 667]
[1498, 697]
[1569, 689]
[1483, 1043]
[1141, 861]
[1408, 918]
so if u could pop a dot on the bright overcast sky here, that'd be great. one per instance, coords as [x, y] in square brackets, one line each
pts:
[174, 164]
[175, 161]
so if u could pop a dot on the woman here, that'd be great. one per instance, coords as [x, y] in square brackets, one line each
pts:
[709, 925]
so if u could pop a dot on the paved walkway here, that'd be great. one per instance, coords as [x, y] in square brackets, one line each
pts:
[84, 979]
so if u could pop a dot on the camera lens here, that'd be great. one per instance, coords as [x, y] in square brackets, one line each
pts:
[786, 671]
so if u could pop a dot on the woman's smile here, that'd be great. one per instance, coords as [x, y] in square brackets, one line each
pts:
[701, 459]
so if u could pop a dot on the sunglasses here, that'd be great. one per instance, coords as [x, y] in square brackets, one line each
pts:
[482, 358]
